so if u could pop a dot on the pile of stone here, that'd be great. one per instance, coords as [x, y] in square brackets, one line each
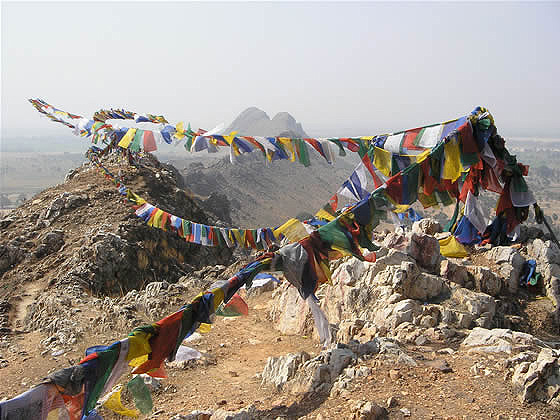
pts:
[413, 295]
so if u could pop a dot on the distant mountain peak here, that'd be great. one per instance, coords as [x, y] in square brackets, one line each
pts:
[255, 122]
[252, 113]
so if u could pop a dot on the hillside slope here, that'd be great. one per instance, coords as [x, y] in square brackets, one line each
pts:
[267, 194]
[83, 234]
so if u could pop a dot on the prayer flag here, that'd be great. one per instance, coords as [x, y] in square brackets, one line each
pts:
[149, 142]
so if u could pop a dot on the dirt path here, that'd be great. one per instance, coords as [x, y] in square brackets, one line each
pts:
[27, 297]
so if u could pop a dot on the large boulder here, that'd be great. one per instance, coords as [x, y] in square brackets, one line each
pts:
[500, 340]
[56, 206]
[10, 255]
[289, 311]
[279, 370]
[339, 358]
[546, 252]
[425, 250]
[456, 317]
[349, 271]
[51, 243]
[297, 373]
[540, 380]
[420, 286]
[395, 240]
[547, 255]
[504, 254]
[384, 297]
[510, 262]
[455, 273]
[480, 306]
[485, 280]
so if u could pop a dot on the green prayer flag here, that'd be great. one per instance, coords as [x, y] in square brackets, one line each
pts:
[141, 394]
[303, 152]
[484, 124]
[137, 141]
[106, 360]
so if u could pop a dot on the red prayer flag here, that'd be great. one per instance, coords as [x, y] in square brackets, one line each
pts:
[163, 344]
[149, 142]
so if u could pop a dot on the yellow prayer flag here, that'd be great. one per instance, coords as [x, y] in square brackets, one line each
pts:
[323, 214]
[138, 345]
[238, 236]
[269, 154]
[326, 270]
[179, 130]
[399, 208]
[287, 142]
[451, 247]
[137, 361]
[422, 156]
[382, 160]
[155, 220]
[115, 404]
[235, 148]
[230, 137]
[135, 198]
[218, 297]
[127, 138]
[343, 251]
[452, 167]
[293, 229]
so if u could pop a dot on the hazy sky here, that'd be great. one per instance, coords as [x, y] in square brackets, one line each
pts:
[339, 68]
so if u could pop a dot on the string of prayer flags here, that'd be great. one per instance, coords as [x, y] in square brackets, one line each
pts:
[434, 171]
[260, 238]
[391, 153]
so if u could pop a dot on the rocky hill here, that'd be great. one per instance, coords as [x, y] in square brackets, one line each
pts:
[82, 236]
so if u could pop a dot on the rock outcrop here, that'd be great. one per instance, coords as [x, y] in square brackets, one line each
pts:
[547, 256]
[539, 380]
[328, 372]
